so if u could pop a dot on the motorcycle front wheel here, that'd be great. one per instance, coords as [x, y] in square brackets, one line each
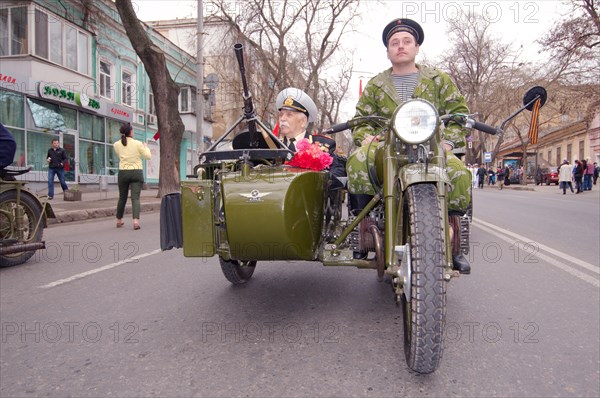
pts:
[424, 315]
[8, 229]
[237, 272]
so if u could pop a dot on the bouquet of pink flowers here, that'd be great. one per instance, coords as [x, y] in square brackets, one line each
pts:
[310, 155]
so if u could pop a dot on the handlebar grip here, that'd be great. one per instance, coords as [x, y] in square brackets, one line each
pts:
[486, 128]
[336, 128]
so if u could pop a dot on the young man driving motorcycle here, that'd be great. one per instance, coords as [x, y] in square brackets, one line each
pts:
[384, 93]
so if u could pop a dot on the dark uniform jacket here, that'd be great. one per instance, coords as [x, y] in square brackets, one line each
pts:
[58, 157]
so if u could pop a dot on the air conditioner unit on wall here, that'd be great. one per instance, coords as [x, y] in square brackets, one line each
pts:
[151, 119]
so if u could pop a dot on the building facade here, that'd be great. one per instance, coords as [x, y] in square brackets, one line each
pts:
[70, 72]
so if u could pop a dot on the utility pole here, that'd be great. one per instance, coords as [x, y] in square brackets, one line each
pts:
[200, 79]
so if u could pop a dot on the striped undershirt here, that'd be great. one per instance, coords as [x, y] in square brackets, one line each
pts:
[405, 85]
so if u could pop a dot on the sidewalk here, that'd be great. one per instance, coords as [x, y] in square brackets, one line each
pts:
[96, 204]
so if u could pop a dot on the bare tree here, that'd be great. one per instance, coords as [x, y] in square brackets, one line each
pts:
[488, 73]
[295, 42]
[166, 91]
[573, 46]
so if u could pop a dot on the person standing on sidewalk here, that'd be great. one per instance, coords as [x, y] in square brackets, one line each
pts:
[578, 174]
[131, 152]
[565, 174]
[56, 159]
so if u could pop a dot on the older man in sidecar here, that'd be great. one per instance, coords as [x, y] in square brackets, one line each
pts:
[296, 114]
[384, 93]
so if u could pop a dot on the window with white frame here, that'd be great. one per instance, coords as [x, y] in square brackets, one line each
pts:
[184, 100]
[58, 41]
[13, 31]
[151, 104]
[106, 79]
[126, 87]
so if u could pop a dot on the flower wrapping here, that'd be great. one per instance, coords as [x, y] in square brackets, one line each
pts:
[311, 156]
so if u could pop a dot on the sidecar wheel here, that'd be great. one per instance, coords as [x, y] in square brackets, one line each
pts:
[237, 272]
[424, 315]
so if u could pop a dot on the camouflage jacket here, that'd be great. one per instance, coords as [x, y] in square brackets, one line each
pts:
[381, 98]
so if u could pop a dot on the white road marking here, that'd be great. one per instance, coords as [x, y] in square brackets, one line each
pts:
[97, 270]
[510, 237]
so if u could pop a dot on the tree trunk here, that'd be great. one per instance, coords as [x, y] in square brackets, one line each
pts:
[166, 93]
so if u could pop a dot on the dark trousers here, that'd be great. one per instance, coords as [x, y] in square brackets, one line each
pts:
[60, 172]
[133, 179]
[565, 184]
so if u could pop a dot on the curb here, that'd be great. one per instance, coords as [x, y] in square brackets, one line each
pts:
[80, 215]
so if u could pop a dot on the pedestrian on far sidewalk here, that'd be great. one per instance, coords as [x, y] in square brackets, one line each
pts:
[596, 172]
[481, 173]
[588, 174]
[56, 158]
[565, 174]
[578, 175]
[131, 152]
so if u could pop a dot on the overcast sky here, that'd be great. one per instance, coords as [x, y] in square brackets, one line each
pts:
[518, 21]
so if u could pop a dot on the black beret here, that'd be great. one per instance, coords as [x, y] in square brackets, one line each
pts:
[403, 25]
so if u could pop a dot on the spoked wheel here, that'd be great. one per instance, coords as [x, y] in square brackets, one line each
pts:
[425, 309]
[237, 272]
[9, 231]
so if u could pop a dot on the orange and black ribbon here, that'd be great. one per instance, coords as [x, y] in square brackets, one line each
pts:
[535, 115]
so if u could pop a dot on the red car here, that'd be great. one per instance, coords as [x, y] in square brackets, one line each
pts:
[550, 175]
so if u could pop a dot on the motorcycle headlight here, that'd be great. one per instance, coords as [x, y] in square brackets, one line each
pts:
[415, 121]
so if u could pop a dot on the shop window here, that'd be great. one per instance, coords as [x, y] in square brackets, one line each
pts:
[12, 109]
[113, 128]
[19, 136]
[569, 152]
[558, 156]
[581, 149]
[46, 115]
[91, 157]
[37, 148]
[91, 127]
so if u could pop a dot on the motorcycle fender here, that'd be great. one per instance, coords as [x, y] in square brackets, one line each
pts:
[197, 217]
[417, 173]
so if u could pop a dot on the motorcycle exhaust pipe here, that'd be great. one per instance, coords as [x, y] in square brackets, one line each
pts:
[25, 247]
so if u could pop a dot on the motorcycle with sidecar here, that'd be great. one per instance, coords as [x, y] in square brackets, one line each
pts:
[404, 227]
[23, 217]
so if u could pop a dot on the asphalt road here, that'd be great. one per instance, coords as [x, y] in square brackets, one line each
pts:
[103, 312]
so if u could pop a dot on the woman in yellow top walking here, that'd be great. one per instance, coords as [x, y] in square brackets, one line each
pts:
[130, 152]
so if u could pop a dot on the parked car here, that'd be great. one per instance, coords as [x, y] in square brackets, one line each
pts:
[550, 175]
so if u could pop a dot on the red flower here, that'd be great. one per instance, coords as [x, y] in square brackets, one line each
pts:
[311, 156]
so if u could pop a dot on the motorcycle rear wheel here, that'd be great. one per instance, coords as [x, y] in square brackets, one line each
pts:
[32, 214]
[424, 316]
[237, 272]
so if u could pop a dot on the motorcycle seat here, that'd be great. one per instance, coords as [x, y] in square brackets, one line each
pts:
[8, 173]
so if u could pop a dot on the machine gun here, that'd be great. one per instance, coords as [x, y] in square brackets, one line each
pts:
[258, 135]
